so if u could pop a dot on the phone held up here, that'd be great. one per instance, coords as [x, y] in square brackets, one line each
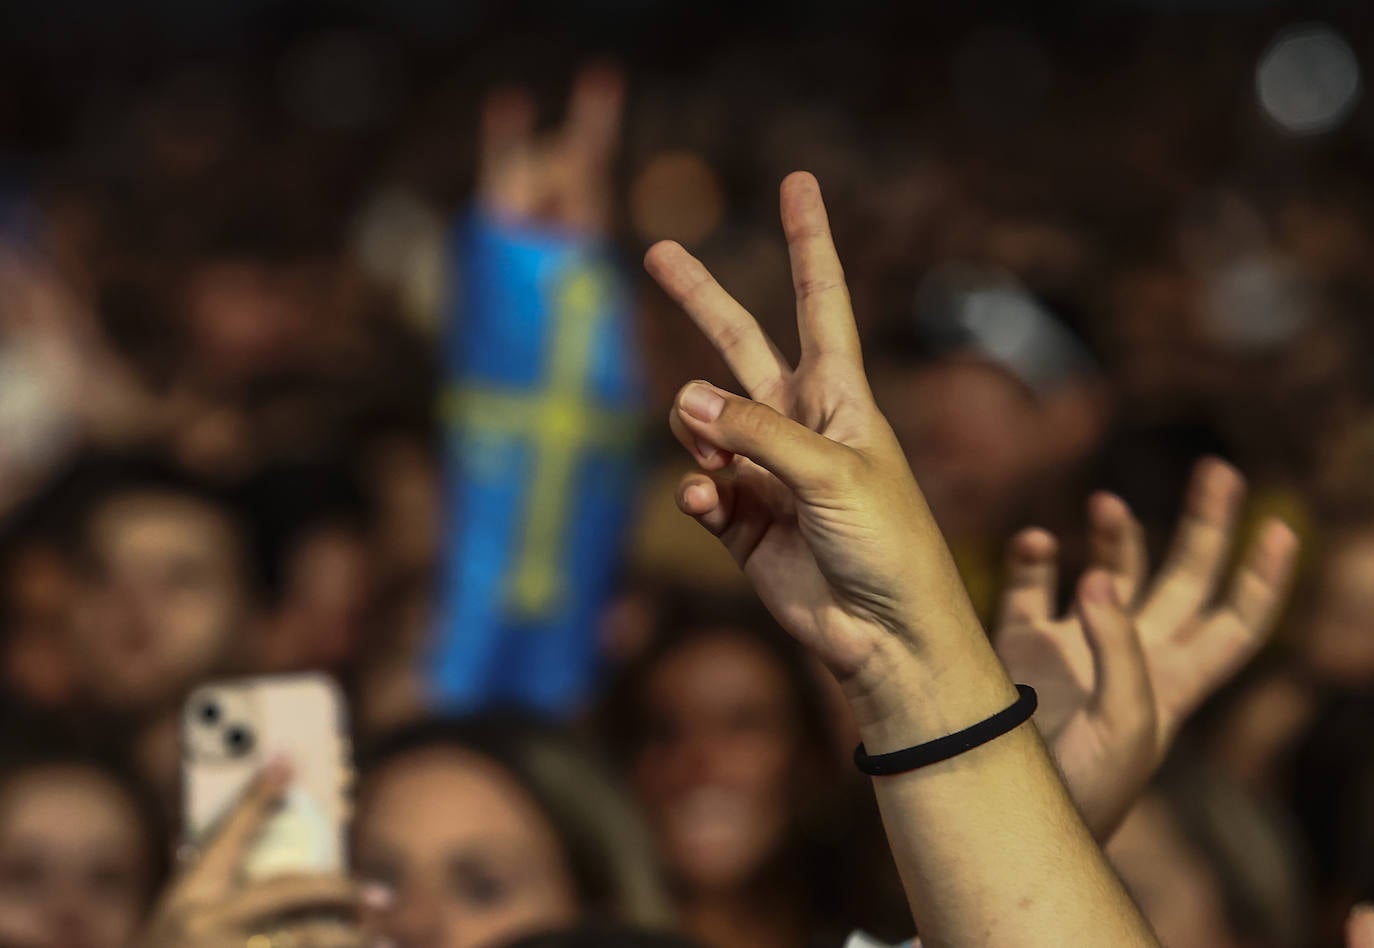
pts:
[231, 729]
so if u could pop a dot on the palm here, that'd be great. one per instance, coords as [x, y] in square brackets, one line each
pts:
[1053, 655]
[814, 550]
[796, 564]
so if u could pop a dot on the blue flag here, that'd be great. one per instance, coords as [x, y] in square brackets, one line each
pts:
[541, 416]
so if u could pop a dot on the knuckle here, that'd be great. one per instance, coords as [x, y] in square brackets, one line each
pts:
[845, 471]
[807, 287]
[729, 336]
[808, 229]
[770, 391]
[749, 420]
[697, 286]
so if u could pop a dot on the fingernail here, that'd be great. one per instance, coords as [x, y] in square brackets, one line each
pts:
[702, 402]
[374, 895]
[694, 494]
[707, 452]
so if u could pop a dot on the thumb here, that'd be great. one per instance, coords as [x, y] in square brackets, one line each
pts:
[798, 456]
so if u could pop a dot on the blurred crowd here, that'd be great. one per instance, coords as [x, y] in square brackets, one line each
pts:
[1084, 253]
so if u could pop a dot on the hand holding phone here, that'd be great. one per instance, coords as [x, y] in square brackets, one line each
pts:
[232, 730]
[209, 905]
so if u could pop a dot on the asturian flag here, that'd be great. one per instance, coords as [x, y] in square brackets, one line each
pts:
[541, 417]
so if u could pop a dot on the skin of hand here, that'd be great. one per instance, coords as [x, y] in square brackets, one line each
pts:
[561, 179]
[1359, 928]
[1120, 673]
[805, 484]
[207, 907]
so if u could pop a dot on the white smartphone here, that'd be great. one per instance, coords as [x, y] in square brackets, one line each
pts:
[232, 729]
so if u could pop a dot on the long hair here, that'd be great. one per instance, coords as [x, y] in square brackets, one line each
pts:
[836, 852]
[607, 847]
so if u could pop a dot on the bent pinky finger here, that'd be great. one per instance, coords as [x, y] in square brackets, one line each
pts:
[708, 501]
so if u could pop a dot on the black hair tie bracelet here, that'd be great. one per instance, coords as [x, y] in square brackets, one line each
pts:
[951, 745]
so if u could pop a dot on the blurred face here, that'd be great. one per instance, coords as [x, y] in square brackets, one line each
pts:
[159, 600]
[471, 858]
[243, 316]
[326, 595]
[716, 773]
[971, 435]
[73, 870]
[1340, 643]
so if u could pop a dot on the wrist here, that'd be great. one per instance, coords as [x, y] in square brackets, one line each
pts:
[906, 695]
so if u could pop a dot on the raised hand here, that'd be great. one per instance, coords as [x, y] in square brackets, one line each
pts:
[804, 481]
[208, 907]
[805, 484]
[1120, 674]
[562, 179]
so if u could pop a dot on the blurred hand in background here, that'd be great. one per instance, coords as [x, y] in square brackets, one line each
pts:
[1120, 674]
[561, 178]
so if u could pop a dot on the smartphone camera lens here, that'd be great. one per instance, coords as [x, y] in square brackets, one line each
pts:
[208, 713]
[238, 741]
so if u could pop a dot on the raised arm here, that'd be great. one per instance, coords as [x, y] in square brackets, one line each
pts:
[805, 484]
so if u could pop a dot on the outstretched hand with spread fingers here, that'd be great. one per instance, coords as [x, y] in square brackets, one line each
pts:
[1120, 674]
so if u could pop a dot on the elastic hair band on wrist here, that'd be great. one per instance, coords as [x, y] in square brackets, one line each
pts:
[951, 745]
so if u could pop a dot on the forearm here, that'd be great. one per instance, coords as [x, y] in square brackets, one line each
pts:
[821, 512]
[991, 850]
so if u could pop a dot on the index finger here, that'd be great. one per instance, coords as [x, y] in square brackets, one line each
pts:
[219, 862]
[506, 137]
[735, 334]
[825, 319]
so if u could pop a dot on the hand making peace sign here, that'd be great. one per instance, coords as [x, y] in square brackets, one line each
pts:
[803, 480]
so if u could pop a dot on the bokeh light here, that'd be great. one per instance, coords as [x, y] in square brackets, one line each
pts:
[676, 195]
[1308, 80]
[1255, 302]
